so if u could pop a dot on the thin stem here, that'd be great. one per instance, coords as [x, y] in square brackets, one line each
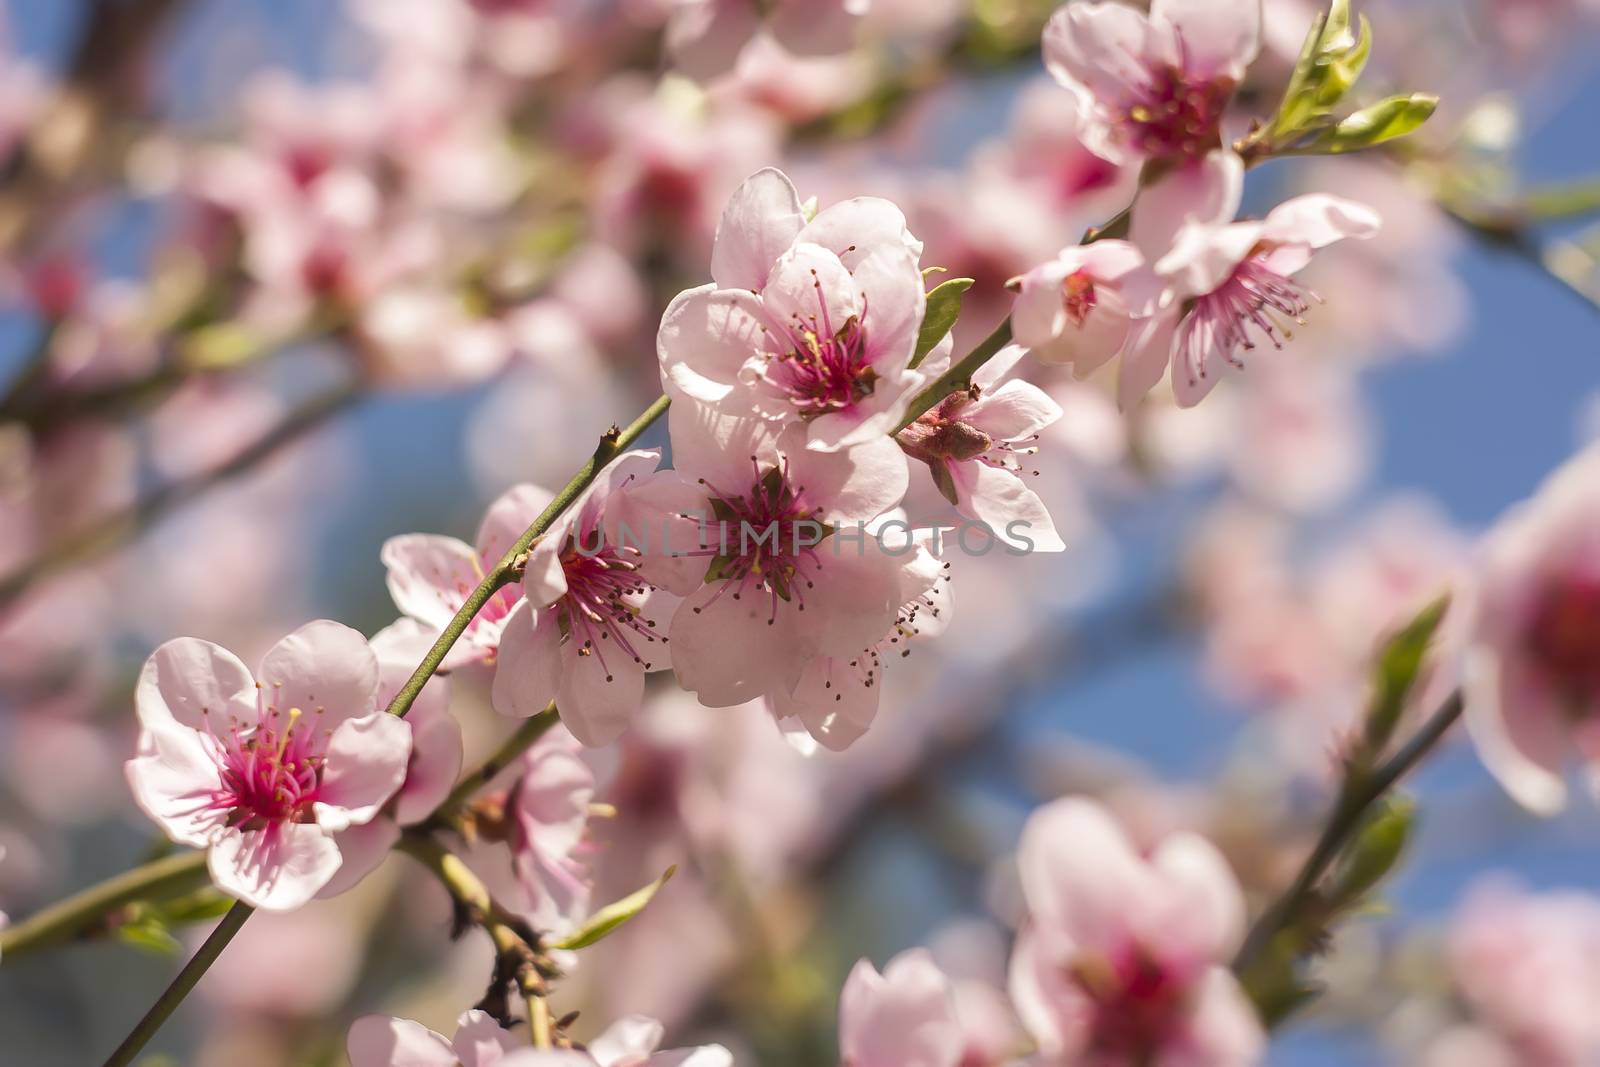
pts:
[510, 565]
[519, 742]
[1359, 793]
[84, 545]
[539, 1019]
[79, 914]
[959, 376]
[181, 986]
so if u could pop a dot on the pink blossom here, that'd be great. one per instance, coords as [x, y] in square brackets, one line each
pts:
[904, 1017]
[813, 321]
[706, 37]
[264, 774]
[975, 444]
[589, 626]
[1224, 280]
[1124, 959]
[769, 555]
[1079, 308]
[435, 761]
[384, 1041]
[1533, 662]
[1528, 964]
[1158, 84]
[430, 576]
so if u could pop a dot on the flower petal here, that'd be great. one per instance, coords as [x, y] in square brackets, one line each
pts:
[324, 669]
[362, 849]
[429, 576]
[760, 222]
[706, 336]
[366, 764]
[383, 1041]
[1216, 38]
[173, 780]
[279, 868]
[187, 681]
[529, 667]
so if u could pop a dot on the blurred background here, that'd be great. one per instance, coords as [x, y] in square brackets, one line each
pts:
[282, 280]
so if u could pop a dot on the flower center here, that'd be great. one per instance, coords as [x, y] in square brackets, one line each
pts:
[764, 541]
[602, 608]
[1254, 299]
[1173, 116]
[1563, 636]
[824, 369]
[271, 773]
[1137, 1003]
[1078, 297]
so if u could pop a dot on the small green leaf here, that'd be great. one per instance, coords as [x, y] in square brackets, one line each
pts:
[1384, 121]
[150, 935]
[944, 308]
[199, 906]
[1377, 848]
[1330, 63]
[1395, 674]
[608, 918]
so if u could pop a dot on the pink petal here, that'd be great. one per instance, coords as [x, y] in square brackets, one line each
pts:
[1013, 412]
[1001, 500]
[706, 336]
[1208, 913]
[1102, 46]
[480, 1042]
[760, 222]
[1216, 38]
[810, 290]
[1223, 1029]
[858, 483]
[187, 680]
[856, 594]
[860, 227]
[551, 802]
[279, 868]
[173, 780]
[904, 1016]
[1082, 880]
[1145, 360]
[833, 701]
[508, 518]
[529, 667]
[629, 1040]
[436, 755]
[1518, 731]
[366, 764]
[649, 516]
[727, 653]
[326, 670]
[430, 576]
[1204, 192]
[1318, 220]
[382, 1041]
[362, 849]
[892, 293]
[600, 693]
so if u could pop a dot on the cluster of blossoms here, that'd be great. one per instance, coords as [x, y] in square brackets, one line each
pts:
[832, 468]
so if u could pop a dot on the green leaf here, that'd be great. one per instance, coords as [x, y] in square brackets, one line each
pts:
[1377, 848]
[1384, 121]
[1330, 63]
[944, 308]
[1395, 674]
[201, 906]
[149, 935]
[608, 918]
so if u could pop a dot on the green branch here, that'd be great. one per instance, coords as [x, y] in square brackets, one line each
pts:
[84, 913]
